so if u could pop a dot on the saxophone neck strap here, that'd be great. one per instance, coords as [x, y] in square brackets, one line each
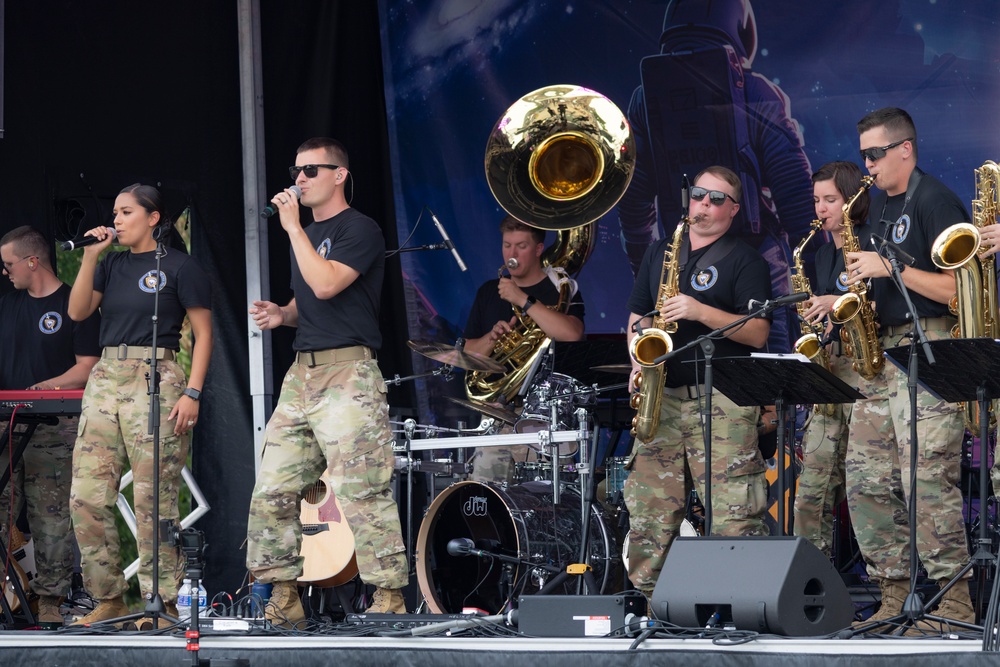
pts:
[719, 249]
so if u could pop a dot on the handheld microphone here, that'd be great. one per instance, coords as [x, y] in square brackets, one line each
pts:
[901, 255]
[271, 209]
[87, 240]
[447, 241]
[771, 304]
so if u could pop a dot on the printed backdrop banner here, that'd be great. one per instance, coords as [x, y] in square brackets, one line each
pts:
[773, 89]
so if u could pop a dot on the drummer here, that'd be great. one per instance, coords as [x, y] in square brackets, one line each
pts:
[531, 288]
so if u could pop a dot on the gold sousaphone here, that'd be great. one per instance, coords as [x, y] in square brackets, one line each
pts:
[558, 159]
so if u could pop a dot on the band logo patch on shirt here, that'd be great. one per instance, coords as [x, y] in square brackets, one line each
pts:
[50, 322]
[842, 282]
[704, 279]
[323, 249]
[149, 284]
[901, 229]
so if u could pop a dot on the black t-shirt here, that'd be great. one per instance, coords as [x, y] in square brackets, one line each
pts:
[913, 226]
[39, 340]
[488, 308]
[350, 317]
[727, 284]
[129, 285]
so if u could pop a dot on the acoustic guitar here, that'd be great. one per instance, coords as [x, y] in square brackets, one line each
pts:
[327, 541]
[23, 566]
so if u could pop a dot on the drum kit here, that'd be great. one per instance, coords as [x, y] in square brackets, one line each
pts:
[521, 529]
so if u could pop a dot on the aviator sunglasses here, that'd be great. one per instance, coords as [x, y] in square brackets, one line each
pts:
[310, 170]
[878, 152]
[717, 197]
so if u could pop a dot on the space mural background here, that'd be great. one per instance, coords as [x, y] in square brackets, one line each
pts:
[787, 82]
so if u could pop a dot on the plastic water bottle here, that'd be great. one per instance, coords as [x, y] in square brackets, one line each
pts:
[200, 598]
[184, 601]
[260, 592]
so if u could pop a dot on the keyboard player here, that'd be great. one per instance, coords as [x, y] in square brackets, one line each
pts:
[42, 348]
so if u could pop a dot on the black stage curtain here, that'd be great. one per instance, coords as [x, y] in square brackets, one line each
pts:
[101, 96]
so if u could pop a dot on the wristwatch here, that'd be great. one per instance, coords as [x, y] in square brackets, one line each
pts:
[529, 303]
[193, 394]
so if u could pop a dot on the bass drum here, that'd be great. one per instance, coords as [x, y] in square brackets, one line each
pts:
[519, 521]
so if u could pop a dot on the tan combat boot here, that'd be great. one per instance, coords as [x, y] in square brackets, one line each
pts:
[956, 604]
[894, 592]
[49, 616]
[387, 601]
[285, 607]
[169, 609]
[105, 610]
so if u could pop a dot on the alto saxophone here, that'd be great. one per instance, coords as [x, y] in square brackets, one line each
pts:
[975, 301]
[654, 342]
[854, 311]
[810, 343]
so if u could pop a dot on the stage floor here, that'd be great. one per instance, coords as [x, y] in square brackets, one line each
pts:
[132, 648]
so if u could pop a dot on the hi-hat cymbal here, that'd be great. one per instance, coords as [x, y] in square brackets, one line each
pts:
[620, 369]
[493, 411]
[453, 356]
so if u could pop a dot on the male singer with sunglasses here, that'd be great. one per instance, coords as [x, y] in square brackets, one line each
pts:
[910, 210]
[718, 276]
[332, 415]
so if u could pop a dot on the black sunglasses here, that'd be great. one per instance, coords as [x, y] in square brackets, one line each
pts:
[878, 152]
[310, 170]
[717, 197]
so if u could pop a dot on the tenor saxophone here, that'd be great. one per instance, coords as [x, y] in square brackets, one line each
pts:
[854, 311]
[810, 343]
[975, 301]
[654, 342]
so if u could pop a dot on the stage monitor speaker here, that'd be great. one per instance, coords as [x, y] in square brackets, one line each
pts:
[774, 585]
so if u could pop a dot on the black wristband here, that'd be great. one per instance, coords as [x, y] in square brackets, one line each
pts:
[193, 394]
[531, 301]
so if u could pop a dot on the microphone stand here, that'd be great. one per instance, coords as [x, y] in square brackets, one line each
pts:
[913, 606]
[707, 344]
[155, 608]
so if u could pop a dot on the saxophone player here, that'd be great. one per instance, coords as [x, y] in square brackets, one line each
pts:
[910, 210]
[714, 284]
[530, 288]
[821, 486]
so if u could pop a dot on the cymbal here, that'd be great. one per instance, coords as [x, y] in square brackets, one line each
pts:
[620, 369]
[493, 411]
[453, 356]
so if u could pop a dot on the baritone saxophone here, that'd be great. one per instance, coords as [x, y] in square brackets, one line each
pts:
[975, 301]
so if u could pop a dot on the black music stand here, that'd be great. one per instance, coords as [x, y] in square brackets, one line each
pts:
[789, 379]
[967, 369]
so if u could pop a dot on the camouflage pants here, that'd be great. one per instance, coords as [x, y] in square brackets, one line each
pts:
[113, 433]
[878, 474]
[822, 483]
[42, 480]
[656, 491]
[332, 417]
